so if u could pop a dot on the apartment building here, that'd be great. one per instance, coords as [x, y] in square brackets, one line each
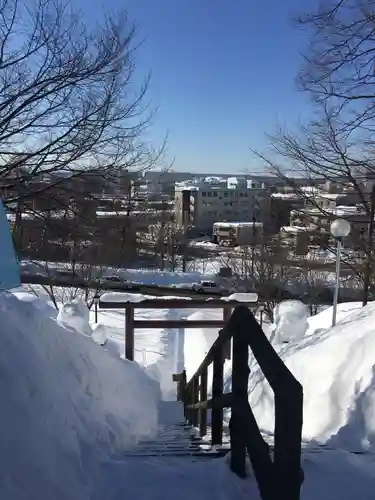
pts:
[226, 200]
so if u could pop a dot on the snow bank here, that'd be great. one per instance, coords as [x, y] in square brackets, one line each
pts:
[323, 320]
[336, 367]
[41, 305]
[123, 297]
[134, 297]
[162, 278]
[75, 314]
[242, 297]
[290, 321]
[65, 405]
[99, 334]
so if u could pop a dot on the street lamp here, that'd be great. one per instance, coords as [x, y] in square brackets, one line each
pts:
[339, 229]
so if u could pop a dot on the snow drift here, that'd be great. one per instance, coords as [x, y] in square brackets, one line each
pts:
[290, 321]
[336, 367]
[75, 314]
[65, 404]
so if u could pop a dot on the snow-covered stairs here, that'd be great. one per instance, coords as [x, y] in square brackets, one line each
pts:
[175, 438]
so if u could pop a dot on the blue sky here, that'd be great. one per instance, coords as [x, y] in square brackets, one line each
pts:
[223, 74]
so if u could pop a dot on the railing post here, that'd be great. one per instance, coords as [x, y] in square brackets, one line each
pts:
[181, 388]
[129, 333]
[203, 397]
[287, 451]
[217, 392]
[187, 403]
[195, 399]
[240, 380]
[227, 312]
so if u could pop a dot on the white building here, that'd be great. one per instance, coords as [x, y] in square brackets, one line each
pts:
[203, 203]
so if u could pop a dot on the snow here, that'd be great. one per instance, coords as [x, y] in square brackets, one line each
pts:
[123, 297]
[65, 405]
[290, 321]
[162, 278]
[68, 407]
[133, 297]
[99, 334]
[293, 196]
[228, 225]
[75, 314]
[242, 297]
[334, 365]
[323, 320]
[297, 229]
[197, 341]
[336, 368]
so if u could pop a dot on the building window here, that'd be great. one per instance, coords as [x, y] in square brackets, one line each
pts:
[215, 193]
[226, 194]
[203, 193]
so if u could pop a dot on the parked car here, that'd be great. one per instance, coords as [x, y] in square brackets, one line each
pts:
[208, 287]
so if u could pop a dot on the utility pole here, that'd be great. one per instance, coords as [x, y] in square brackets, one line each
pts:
[370, 234]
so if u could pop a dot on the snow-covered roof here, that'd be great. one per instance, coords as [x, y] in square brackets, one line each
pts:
[341, 210]
[310, 189]
[53, 214]
[237, 224]
[297, 229]
[294, 196]
[329, 196]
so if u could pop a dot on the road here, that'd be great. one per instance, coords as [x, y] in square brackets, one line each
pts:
[160, 291]
[38, 279]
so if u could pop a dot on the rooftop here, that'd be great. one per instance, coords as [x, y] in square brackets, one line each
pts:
[237, 224]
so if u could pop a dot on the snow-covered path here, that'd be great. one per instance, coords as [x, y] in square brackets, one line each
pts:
[174, 467]
[168, 362]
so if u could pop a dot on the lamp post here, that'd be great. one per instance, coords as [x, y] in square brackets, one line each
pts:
[339, 229]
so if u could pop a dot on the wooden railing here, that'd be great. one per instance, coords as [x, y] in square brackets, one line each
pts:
[279, 477]
[131, 323]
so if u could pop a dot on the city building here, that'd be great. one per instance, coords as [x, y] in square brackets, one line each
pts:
[237, 233]
[320, 220]
[214, 199]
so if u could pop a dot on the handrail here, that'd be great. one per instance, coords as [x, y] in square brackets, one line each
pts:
[280, 477]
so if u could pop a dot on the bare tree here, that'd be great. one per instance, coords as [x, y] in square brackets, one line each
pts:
[259, 270]
[165, 235]
[68, 100]
[335, 146]
[82, 282]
